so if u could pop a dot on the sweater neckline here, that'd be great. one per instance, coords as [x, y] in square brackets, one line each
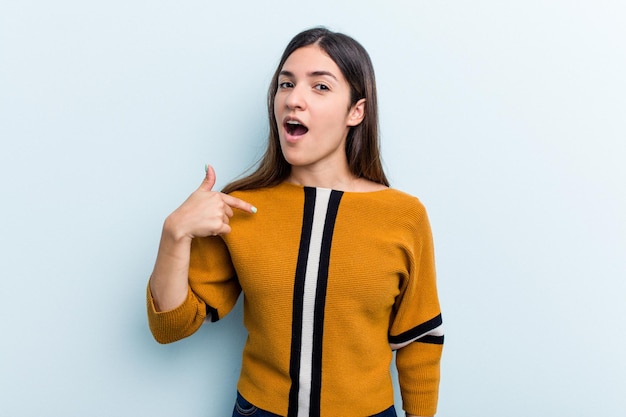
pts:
[302, 187]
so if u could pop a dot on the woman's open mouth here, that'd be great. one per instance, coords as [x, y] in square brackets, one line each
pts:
[295, 128]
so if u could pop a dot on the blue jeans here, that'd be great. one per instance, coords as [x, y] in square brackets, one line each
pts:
[244, 409]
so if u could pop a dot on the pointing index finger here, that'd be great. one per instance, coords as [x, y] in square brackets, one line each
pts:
[239, 204]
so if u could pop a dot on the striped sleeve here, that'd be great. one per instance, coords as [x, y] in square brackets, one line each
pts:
[213, 292]
[416, 329]
[212, 276]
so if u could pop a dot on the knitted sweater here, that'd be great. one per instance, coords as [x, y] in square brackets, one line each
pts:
[333, 282]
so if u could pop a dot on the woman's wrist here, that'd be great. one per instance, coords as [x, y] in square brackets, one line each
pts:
[173, 232]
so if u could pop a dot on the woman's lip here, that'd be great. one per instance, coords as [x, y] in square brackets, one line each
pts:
[292, 119]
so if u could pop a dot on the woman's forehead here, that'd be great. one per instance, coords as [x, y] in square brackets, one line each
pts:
[310, 61]
[309, 55]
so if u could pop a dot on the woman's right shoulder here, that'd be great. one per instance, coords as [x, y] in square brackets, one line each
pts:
[279, 191]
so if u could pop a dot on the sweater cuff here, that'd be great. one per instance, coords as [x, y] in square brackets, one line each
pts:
[172, 325]
[418, 374]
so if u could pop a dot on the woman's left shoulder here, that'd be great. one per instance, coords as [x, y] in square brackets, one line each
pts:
[403, 199]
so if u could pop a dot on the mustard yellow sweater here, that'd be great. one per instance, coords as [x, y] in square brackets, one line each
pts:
[332, 282]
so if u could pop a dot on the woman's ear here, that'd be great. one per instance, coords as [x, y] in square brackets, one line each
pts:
[357, 113]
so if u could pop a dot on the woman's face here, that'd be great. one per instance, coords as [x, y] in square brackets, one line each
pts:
[312, 110]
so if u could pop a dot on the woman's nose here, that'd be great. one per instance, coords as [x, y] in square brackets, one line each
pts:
[296, 99]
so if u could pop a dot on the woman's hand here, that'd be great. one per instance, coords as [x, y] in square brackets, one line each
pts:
[205, 212]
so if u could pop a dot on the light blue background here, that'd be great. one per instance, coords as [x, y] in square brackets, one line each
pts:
[507, 118]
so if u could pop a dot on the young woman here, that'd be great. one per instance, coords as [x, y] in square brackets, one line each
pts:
[336, 268]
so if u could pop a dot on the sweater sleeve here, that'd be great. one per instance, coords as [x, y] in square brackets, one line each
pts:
[213, 292]
[416, 330]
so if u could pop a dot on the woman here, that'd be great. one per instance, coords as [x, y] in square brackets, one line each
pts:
[337, 269]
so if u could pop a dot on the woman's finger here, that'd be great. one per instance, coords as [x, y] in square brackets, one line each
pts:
[239, 204]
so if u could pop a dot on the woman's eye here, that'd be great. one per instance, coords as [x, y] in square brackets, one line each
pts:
[321, 87]
[285, 84]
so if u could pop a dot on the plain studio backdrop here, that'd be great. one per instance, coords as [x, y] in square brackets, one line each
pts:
[506, 118]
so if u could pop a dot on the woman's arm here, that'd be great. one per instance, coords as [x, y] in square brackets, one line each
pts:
[204, 213]
[417, 329]
[168, 282]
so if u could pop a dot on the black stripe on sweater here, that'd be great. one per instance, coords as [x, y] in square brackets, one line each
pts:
[298, 299]
[320, 302]
[418, 333]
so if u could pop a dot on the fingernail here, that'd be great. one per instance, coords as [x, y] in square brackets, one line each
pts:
[253, 209]
[206, 168]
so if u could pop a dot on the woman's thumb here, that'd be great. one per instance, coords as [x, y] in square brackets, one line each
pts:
[209, 179]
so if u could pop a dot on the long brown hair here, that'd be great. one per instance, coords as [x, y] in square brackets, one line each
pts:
[362, 143]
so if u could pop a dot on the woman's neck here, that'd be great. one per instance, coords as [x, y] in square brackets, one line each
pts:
[324, 177]
[332, 179]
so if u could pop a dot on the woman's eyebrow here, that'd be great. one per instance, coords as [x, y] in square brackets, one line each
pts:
[310, 74]
[325, 73]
